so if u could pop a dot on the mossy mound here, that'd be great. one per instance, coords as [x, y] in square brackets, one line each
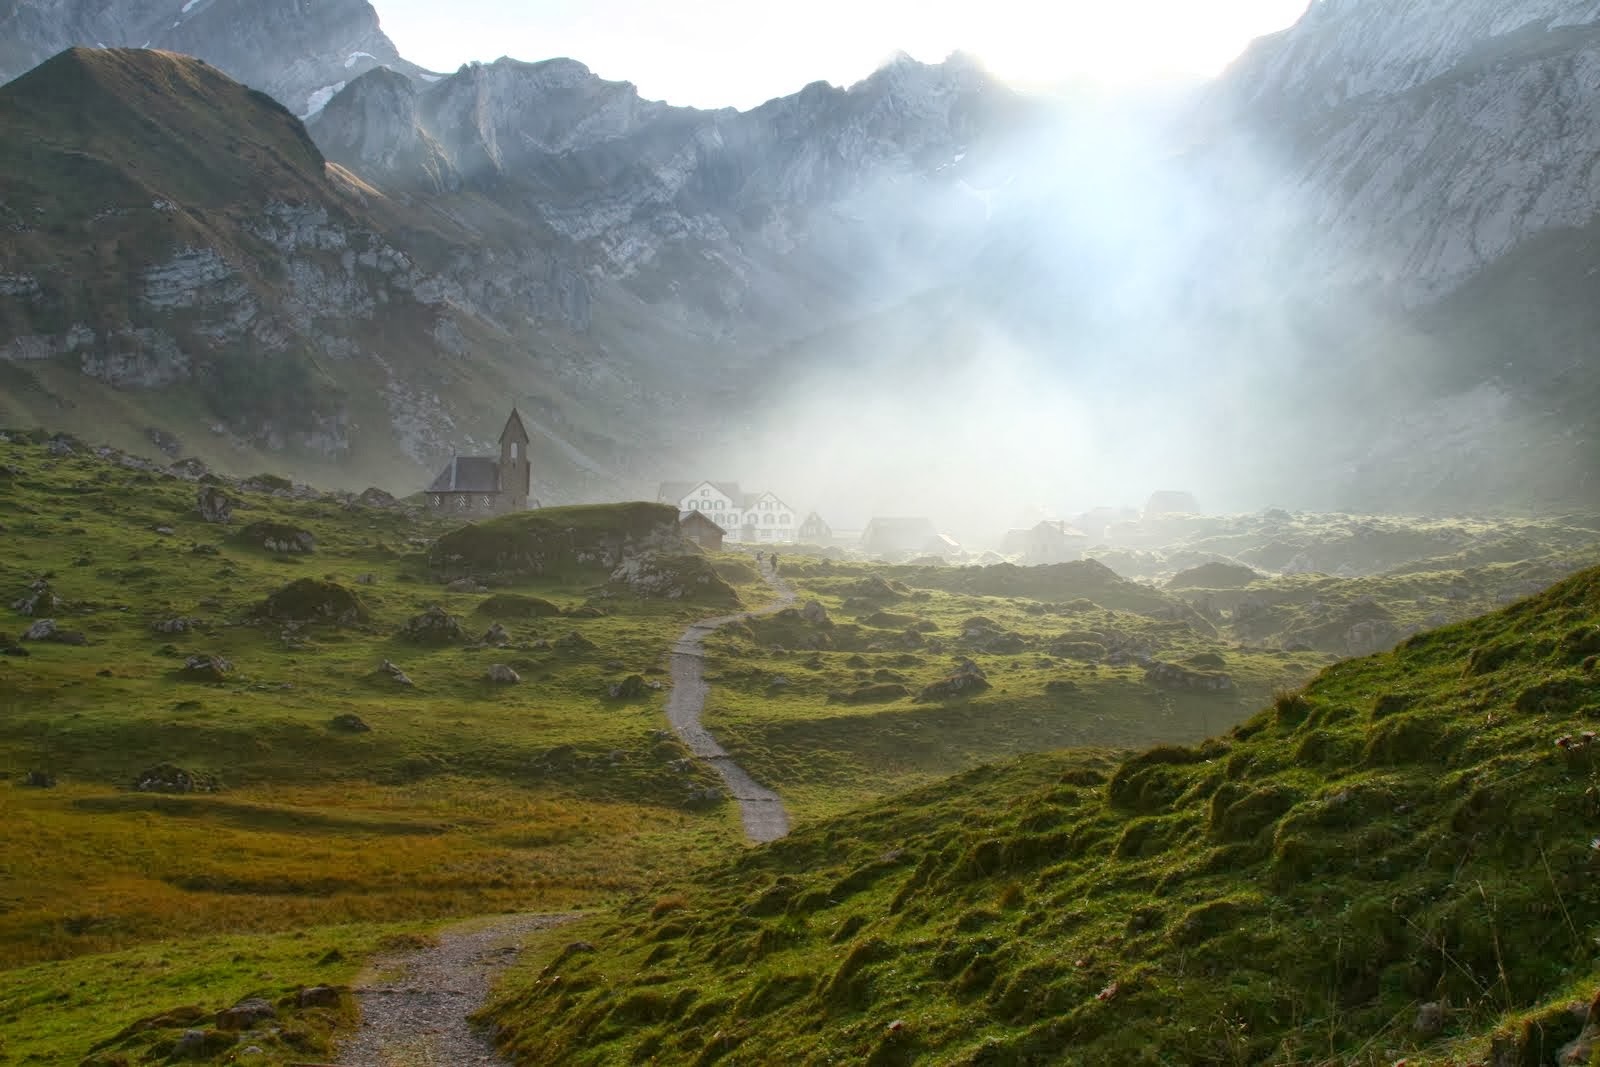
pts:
[1214, 575]
[553, 541]
[314, 600]
[1413, 828]
[516, 606]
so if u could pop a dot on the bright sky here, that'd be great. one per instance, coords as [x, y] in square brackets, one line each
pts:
[716, 53]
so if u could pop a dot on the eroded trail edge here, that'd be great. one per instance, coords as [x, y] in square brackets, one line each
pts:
[414, 1009]
[759, 807]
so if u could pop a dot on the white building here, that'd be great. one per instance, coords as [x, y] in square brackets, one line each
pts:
[748, 517]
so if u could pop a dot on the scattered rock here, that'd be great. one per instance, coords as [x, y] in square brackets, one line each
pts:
[630, 688]
[47, 630]
[500, 674]
[174, 626]
[164, 531]
[433, 627]
[206, 668]
[495, 636]
[318, 996]
[169, 778]
[279, 537]
[314, 600]
[214, 505]
[350, 723]
[575, 642]
[399, 676]
[666, 577]
[878, 588]
[367, 579]
[465, 585]
[373, 497]
[39, 780]
[967, 680]
[40, 599]
[245, 1014]
[815, 613]
[1172, 676]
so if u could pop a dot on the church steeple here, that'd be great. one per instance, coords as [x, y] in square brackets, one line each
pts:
[516, 471]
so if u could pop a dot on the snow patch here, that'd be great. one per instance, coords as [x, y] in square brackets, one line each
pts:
[319, 99]
[429, 77]
[351, 61]
[188, 7]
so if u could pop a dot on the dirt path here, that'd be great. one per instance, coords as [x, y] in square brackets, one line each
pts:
[759, 807]
[414, 1005]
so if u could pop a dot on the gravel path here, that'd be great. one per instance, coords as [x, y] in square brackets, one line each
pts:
[759, 807]
[419, 1017]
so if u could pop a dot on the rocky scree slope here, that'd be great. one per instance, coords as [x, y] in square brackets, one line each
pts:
[177, 237]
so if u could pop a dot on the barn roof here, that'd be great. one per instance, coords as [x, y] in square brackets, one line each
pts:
[691, 516]
[468, 474]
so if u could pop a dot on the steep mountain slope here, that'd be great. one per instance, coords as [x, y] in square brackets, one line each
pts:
[300, 53]
[179, 256]
[1396, 862]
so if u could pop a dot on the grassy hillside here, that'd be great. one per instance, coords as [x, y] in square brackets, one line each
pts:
[329, 805]
[1397, 861]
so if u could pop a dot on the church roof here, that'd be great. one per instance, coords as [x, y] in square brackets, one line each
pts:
[514, 428]
[468, 474]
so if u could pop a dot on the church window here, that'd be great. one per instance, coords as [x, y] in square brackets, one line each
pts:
[514, 447]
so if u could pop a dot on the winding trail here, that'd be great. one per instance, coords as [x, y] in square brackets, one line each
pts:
[759, 807]
[414, 1005]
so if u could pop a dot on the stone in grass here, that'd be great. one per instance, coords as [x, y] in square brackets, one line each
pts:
[395, 673]
[433, 627]
[350, 723]
[47, 630]
[314, 600]
[967, 680]
[201, 1044]
[630, 688]
[575, 642]
[40, 599]
[174, 626]
[245, 1014]
[279, 537]
[205, 668]
[464, 585]
[500, 674]
[214, 505]
[39, 780]
[495, 636]
[318, 996]
[170, 778]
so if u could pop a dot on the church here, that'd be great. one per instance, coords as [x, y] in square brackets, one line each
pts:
[483, 485]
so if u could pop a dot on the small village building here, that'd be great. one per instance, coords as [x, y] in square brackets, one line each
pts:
[813, 531]
[746, 517]
[696, 526]
[481, 486]
[898, 536]
[1050, 541]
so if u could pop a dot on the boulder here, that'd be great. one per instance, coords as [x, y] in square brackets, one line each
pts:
[374, 497]
[815, 613]
[350, 723]
[40, 599]
[318, 996]
[575, 642]
[464, 585]
[668, 577]
[214, 505]
[39, 780]
[205, 668]
[245, 1014]
[1173, 676]
[279, 537]
[170, 778]
[968, 679]
[433, 627]
[495, 636]
[47, 630]
[500, 674]
[314, 600]
[630, 688]
[393, 672]
[174, 626]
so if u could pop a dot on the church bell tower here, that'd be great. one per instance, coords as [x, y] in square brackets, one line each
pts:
[516, 472]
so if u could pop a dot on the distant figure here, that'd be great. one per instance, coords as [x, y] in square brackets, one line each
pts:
[758, 557]
[772, 560]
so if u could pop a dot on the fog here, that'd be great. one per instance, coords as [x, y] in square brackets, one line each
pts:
[1130, 310]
